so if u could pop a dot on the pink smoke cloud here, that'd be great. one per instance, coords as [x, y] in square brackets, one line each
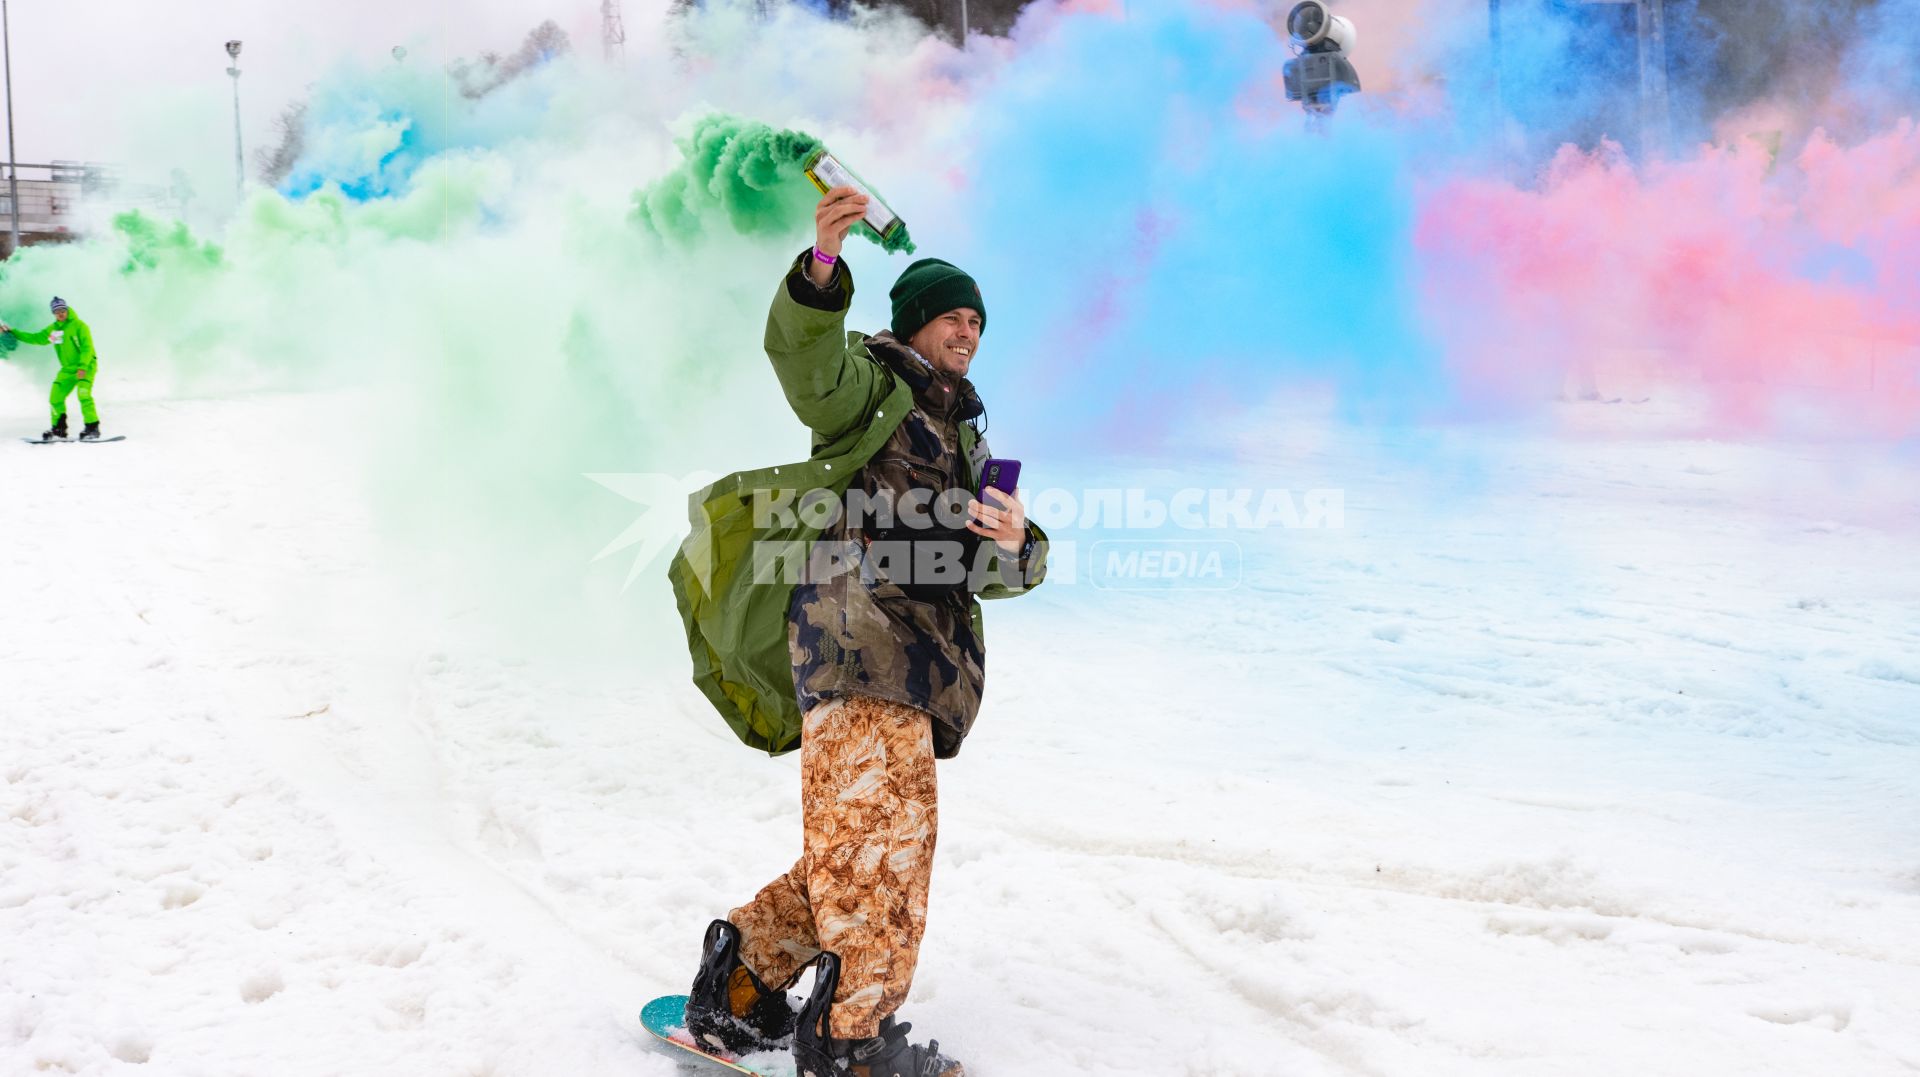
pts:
[1773, 288]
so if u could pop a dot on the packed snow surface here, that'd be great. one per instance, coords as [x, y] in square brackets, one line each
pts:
[1603, 763]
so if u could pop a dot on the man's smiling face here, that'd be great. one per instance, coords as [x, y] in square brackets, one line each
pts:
[950, 341]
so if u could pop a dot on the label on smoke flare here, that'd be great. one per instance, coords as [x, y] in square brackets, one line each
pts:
[829, 173]
[58, 336]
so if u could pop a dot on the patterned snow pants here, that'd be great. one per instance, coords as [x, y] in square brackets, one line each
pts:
[860, 889]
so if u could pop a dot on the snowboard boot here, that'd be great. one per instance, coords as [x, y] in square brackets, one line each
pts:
[58, 431]
[90, 432]
[817, 1054]
[729, 1009]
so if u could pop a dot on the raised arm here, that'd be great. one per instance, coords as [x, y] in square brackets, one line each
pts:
[29, 336]
[828, 381]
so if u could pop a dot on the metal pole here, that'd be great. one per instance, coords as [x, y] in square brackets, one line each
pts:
[613, 31]
[1493, 38]
[1656, 138]
[13, 176]
[963, 23]
[239, 161]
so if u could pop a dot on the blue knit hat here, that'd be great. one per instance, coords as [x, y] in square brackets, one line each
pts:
[58, 304]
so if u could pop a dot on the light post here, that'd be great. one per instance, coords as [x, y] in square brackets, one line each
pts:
[239, 162]
[13, 171]
[1656, 122]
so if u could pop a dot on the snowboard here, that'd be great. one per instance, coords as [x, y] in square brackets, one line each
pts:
[56, 441]
[666, 1018]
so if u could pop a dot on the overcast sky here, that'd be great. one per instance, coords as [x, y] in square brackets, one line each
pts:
[91, 77]
[142, 84]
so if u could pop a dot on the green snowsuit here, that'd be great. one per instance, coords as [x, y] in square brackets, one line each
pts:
[78, 363]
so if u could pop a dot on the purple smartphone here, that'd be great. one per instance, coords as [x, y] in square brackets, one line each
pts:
[1002, 475]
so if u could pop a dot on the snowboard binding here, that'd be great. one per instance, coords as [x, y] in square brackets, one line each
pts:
[817, 1054]
[730, 1010]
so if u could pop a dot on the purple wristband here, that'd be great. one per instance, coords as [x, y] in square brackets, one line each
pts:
[823, 259]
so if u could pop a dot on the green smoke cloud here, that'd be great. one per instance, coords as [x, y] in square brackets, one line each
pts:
[504, 324]
[742, 173]
[739, 172]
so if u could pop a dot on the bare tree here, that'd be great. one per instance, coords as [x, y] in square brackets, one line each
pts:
[479, 78]
[476, 79]
[276, 163]
[983, 16]
[994, 16]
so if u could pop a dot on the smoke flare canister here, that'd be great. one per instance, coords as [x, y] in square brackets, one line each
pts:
[881, 223]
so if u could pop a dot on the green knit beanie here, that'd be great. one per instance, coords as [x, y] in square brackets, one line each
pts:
[928, 289]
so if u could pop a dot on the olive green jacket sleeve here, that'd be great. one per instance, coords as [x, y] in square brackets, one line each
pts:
[830, 382]
[1015, 576]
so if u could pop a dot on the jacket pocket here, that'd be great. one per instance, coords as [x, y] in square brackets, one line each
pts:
[907, 543]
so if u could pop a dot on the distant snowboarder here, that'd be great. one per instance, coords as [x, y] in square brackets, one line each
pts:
[73, 342]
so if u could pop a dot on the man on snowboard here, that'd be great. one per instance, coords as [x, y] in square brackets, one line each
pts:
[886, 663]
[73, 342]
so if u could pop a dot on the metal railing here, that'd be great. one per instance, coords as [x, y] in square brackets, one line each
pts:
[51, 196]
[50, 193]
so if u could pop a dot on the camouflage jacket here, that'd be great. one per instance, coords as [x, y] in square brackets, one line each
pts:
[874, 629]
[764, 641]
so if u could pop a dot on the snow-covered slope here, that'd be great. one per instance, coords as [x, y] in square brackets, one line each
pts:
[1606, 766]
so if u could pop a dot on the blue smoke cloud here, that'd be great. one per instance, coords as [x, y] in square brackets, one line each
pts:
[1158, 233]
[1881, 66]
[1143, 240]
[367, 132]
